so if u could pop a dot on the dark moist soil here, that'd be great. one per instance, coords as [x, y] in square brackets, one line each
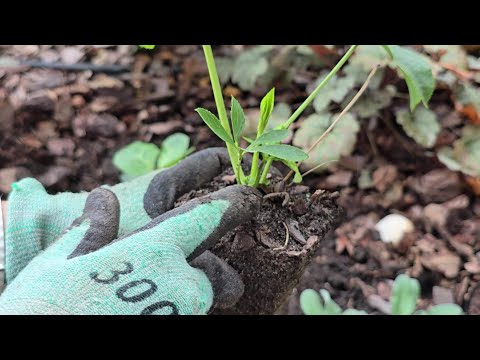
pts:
[270, 268]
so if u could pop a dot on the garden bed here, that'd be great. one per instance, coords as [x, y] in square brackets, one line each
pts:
[63, 128]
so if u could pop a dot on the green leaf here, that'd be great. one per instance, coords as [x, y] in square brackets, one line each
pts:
[311, 303]
[148, 47]
[464, 156]
[214, 124]
[417, 73]
[340, 142]
[238, 119]
[372, 101]
[445, 309]
[422, 125]
[136, 159]
[282, 151]
[266, 108]
[248, 140]
[270, 137]
[467, 94]
[404, 297]
[224, 68]
[450, 54]
[335, 91]
[387, 49]
[292, 165]
[330, 307]
[250, 66]
[354, 312]
[173, 149]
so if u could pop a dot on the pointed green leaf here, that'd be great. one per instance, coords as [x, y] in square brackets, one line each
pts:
[238, 119]
[148, 47]
[417, 72]
[311, 303]
[266, 108]
[214, 124]
[404, 297]
[173, 149]
[292, 165]
[445, 309]
[270, 137]
[136, 159]
[282, 151]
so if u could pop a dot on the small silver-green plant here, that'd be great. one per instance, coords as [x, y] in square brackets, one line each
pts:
[140, 158]
[403, 301]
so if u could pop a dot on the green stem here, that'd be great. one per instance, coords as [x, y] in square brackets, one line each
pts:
[320, 86]
[254, 169]
[233, 152]
[263, 178]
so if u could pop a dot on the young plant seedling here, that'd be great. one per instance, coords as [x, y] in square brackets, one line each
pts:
[140, 158]
[403, 301]
[267, 147]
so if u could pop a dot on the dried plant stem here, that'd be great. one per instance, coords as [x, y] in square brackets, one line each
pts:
[287, 237]
[316, 167]
[347, 108]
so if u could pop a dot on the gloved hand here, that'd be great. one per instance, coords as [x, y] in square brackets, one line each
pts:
[35, 218]
[88, 270]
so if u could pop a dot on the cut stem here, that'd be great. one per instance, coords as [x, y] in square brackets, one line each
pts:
[320, 86]
[233, 152]
[347, 108]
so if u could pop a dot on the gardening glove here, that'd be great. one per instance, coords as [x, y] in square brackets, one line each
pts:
[88, 270]
[36, 218]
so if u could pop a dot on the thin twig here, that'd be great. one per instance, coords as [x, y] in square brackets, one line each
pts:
[287, 237]
[347, 108]
[286, 197]
[373, 146]
[316, 167]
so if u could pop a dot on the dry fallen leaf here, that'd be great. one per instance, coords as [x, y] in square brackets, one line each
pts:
[384, 177]
[342, 244]
[473, 183]
[438, 185]
[445, 262]
[473, 267]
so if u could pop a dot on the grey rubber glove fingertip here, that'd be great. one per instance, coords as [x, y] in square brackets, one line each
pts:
[102, 209]
[227, 284]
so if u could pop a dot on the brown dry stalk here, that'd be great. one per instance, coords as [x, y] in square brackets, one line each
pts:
[344, 111]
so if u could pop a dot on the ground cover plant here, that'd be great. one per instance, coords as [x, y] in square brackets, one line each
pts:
[403, 301]
[140, 158]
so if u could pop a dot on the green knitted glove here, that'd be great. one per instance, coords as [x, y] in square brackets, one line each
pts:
[36, 218]
[89, 271]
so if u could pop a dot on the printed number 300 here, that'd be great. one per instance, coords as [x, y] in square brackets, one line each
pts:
[149, 310]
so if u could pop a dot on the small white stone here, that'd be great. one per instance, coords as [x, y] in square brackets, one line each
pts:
[392, 228]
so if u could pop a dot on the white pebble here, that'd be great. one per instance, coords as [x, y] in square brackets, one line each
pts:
[392, 228]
